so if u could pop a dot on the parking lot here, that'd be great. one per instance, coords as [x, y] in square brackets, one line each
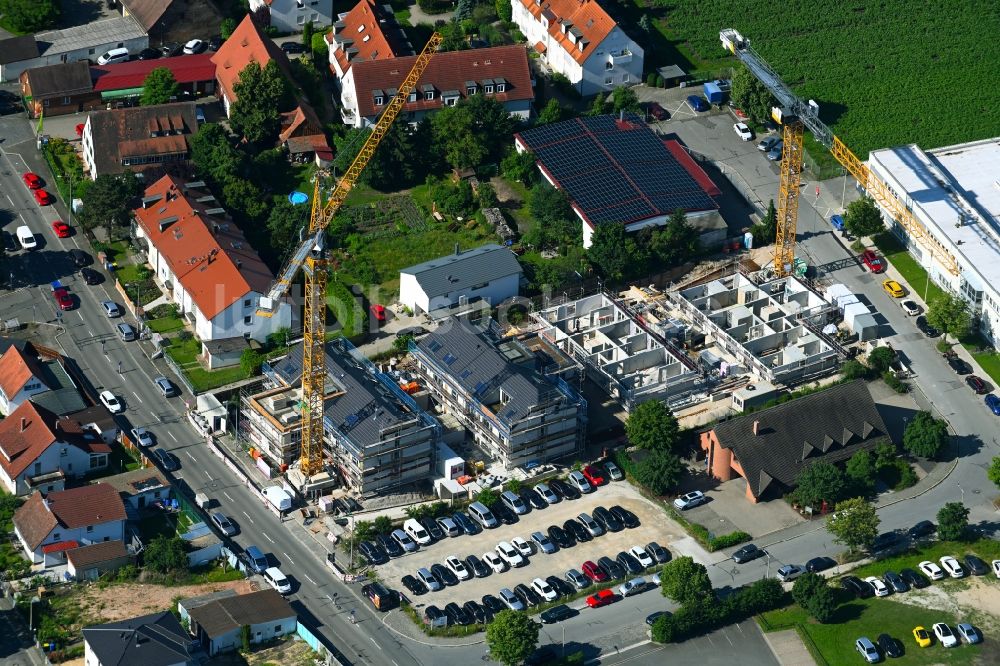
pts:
[653, 527]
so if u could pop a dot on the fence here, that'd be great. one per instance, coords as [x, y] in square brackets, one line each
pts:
[332, 656]
[179, 374]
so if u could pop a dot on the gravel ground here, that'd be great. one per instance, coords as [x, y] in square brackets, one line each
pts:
[654, 526]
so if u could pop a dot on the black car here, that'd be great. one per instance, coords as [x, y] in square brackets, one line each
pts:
[560, 585]
[914, 579]
[391, 547]
[859, 588]
[10, 244]
[628, 519]
[80, 258]
[576, 528]
[629, 561]
[922, 529]
[432, 614]
[372, 553]
[614, 570]
[533, 499]
[493, 604]
[170, 462]
[502, 513]
[171, 49]
[889, 646]
[926, 328]
[747, 553]
[527, 596]
[476, 611]
[432, 527]
[477, 566]
[148, 54]
[563, 489]
[90, 276]
[896, 582]
[976, 565]
[822, 563]
[557, 614]
[561, 537]
[415, 586]
[466, 523]
[658, 552]
[607, 520]
[653, 617]
[215, 43]
[456, 615]
[959, 366]
[886, 541]
[293, 47]
[445, 575]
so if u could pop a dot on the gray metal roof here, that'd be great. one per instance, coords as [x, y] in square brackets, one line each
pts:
[830, 425]
[462, 270]
[95, 33]
[151, 640]
[362, 406]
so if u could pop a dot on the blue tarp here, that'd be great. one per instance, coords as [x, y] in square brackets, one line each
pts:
[713, 93]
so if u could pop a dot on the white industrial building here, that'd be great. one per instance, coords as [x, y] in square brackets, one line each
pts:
[954, 192]
[488, 273]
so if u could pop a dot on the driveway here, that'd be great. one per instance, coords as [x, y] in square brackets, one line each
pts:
[418, 16]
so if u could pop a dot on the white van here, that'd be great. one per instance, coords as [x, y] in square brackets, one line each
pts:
[514, 502]
[416, 532]
[113, 56]
[277, 580]
[483, 516]
[26, 238]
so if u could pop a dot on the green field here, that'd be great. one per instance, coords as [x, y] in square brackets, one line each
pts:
[884, 74]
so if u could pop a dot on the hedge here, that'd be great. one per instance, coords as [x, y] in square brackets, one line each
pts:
[704, 537]
[708, 615]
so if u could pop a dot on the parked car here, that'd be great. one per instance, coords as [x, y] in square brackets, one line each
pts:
[148, 54]
[61, 229]
[659, 553]
[642, 556]
[529, 597]
[593, 475]
[774, 154]
[768, 143]
[578, 579]
[893, 288]
[922, 637]
[509, 555]
[747, 553]
[911, 308]
[976, 384]
[194, 46]
[579, 532]
[653, 617]
[743, 131]
[111, 402]
[170, 462]
[477, 612]
[976, 566]
[478, 568]
[996, 567]
[435, 617]
[544, 590]
[790, 572]
[579, 481]
[857, 587]
[614, 570]
[881, 589]
[494, 562]
[215, 43]
[449, 527]
[543, 491]
[602, 598]
[493, 604]
[590, 524]
[63, 299]
[560, 585]
[523, 547]
[292, 47]
[90, 276]
[922, 529]
[614, 473]
[224, 524]
[413, 585]
[32, 180]
[564, 490]
[634, 586]
[404, 540]
[557, 614]
[945, 635]
[690, 500]
[432, 528]
[166, 387]
[372, 553]
[890, 647]
[969, 633]
[951, 565]
[142, 437]
[111, 309]
[817, 564]
[872, 261]
[896, 582]
[468, 525]
[627, 518]
[561, 537]
[444, 574]
[170, 49]
[931, 570]
[531, 497]
[607, 520]
[657, 111]
[959, 365]
[457, 567]
[913, 579]
[43, 198]
[867, 650]
[993, 403]
[456, 615]
[542, 543]
[502, 513]
[389, 545]
[697, 103]
[628, 562]
[594, 572]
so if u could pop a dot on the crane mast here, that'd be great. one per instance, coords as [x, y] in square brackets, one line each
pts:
[311, 257]
[795, 115]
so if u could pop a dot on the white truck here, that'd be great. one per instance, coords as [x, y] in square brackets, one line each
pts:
[278, 497]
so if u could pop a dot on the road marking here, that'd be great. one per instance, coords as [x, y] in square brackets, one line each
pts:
[209, 476]
[373, 641]
[265, 535]
[172, 436]
[286, 556]
[190, 456]
[227, 496]
[251, 520]
[309, 579]
[394, 661]
[136, 396]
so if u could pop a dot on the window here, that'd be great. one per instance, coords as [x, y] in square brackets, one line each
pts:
[624, 78]
[277, 628]
[55, 536]
[91, 51]
[470, 91]
[609, 65]
[361, 28]
[607, 80]
[379, 101]
[63, 452]
[301, 20]
[429, 95]
[247, 321]
[67, 100]
[45, 103]
[90, 528]
[501, 87]
[451, 101]
[412, 97]
[488, 89]
[246, 303]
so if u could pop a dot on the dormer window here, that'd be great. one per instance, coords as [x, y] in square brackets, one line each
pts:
[379, 97]
[379, 101]
[470, 88]
[412, 97]
[361, 28]
[501, 85]
[488, 89]
[428, 95]
[366, 38]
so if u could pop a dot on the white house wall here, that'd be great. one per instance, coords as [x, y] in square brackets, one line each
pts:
[75, 463]
[9, 405]
[108, 531]
[494, 293]
[291, 16]
[231, 322]
[410, 293]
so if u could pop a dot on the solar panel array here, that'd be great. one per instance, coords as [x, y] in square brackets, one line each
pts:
[615, 174]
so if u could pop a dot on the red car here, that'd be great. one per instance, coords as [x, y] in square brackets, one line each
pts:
[593, 475]
[658, 111]
[32, 180]
[63, 298]
[602, 598]
[378, 311]
[594, 572]
[872, 261]
[43, 198]
[61, 229]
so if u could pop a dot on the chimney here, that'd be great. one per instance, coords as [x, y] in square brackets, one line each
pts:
[756, 428]
[24, 424]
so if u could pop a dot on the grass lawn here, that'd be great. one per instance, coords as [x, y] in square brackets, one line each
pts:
[165, 324]
[158, 524]
[903, 261]
[184, 352]
[986, 548]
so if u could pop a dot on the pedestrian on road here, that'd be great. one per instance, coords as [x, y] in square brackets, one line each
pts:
[103, 349]
[352, 616]
[119, 367]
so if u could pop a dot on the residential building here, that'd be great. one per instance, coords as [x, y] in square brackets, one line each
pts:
[149, 140]
[95, 419]
[952, 192]
[83, 42]
[140, 488]
[247, 44]
[271, 422]
[496, 390]
[121, 84]
[49, 525]
[218, 623]
[58, 89]
[367, 32]
[157, 639]
[376, 436]
[22, 376]
[91, 562]
[578, 39]
[39, 451]
[205, 263]
[770, 448]
[500, 72]
[156, 17]
[489, 273]
[302, 136]
[292, 15]
[616, 169]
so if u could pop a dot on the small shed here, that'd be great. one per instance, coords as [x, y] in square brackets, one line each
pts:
[672, 75]
[218, 623]
[89, 562]
[224, 352]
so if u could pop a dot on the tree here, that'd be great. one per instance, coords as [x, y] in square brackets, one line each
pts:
[599, 106]
[320, 48]
[554, 219]
[519, 167]
[283, 224]
[504, 12]
[487, 496]
[250, 362]
[949, 313]
[855, 523]
[645, 24]
[677, 241]
[652, 426]
[624, 99]
[750, 95]
[863, 218]
[453, 133]
[364, 530]
[821, 603]
[860, 470]
[486, 196]
[925, 436]
[262, 93]
[214, 156]
[307, 35]
[159, 87]
[402, 343]
[953, 521]
[108, 201]
[28, 16]
[492, 124]
[685, 581]
[881, 359]
[611, 250]
[165, 554]
[659, 471]
[805, 587]
[765, 231]
[854, 369]
[512, 637]
[463, 10]
[885, 455]
[819, 482]
[383, 524]
[245, 197]
[227, 27]
[553, 112]
[993, 473]
[513, 485]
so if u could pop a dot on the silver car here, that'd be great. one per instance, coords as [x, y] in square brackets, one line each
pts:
[511, 600]
[543, 491]
[543, 544]
[223, 523]
[111, 309]
[577, 579]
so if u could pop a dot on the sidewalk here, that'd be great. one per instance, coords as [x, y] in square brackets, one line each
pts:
[788, 648]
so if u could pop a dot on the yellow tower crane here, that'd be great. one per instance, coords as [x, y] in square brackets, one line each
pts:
[795, 115]
[311, 256]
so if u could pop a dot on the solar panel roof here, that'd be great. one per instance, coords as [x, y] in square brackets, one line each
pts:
[615, 172]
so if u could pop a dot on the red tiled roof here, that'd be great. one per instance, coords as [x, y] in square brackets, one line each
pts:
[446, 71]
[16, 368]
[363, 32]
[59, 547]
[202, 249]
[244, 46]
[186, 69]
[34, 521]
[19, 447]
[70, 509]
[587, 16]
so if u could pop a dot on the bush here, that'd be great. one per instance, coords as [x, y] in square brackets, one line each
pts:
[704, 616]
[854, 370]
[895, 383]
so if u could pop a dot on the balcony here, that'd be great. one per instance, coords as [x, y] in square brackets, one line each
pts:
[622, 57]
